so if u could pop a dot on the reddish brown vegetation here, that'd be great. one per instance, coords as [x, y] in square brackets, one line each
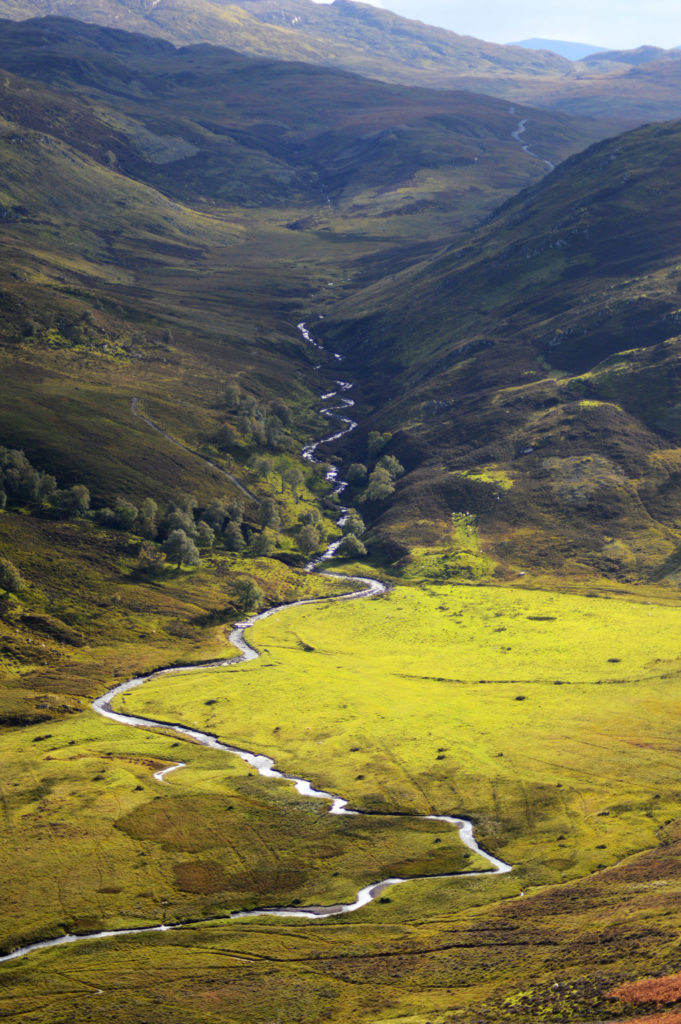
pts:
[652, 990]
[658, 1018]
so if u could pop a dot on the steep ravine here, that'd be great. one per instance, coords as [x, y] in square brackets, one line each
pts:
[263, 764]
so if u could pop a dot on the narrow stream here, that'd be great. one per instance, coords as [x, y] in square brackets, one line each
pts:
[520, 130]
[264, 765]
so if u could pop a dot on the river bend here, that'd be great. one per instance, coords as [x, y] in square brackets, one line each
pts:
[363, 587]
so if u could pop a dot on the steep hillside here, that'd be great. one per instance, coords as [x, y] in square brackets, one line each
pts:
[535, 371]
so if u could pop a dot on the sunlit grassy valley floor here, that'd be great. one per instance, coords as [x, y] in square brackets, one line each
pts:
[168, 219]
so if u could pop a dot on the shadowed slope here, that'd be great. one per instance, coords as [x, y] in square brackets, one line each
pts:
[535, 369]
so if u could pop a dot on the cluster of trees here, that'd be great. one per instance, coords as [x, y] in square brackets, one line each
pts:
[256, 423]
[379, 485]
[23, 486]
[183, 530]
[289, 475]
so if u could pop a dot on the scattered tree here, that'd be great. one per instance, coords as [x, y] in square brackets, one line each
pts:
[73, 502]
[235, 511]
[353, 524]
[150, 560]
[357, 473]
[247, 593]
[351, 547]
[148, 518]
[233, 538]
[380, 486]
[262, 467]
[267, 514]
[281, 410]
[181, 549]
[205, 536]
[262, 544]
[294, 478]
[310, 517]
[376, 442]
[179, 520]
[10, 577]
[226, 437]
[392, 465]
[125, 514]
[215, 515]
[309, 539]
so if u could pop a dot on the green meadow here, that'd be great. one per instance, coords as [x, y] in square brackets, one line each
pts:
[550, 719]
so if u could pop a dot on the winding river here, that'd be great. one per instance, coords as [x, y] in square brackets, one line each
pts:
[520, 130]
[364, 587]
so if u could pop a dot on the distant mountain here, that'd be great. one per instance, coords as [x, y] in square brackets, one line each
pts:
[206, 121]
[642, 55]
[378, 44]
[344, 34]
[573, 51]
[543, 393]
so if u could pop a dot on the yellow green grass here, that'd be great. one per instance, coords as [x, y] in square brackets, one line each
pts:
[404, 703]
[551, 719]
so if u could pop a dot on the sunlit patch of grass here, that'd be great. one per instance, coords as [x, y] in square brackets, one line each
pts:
[549, 718]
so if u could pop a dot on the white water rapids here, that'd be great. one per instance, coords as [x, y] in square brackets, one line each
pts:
[263, 764]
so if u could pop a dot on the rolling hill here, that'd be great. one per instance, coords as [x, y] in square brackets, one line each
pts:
[376, 43]
[199, 190]
[542, 392]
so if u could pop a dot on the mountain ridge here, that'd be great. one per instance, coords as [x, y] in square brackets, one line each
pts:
[547, 365]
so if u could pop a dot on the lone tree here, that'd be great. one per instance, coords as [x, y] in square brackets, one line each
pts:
[353, 524]
[10, 577]
[181, 549]
[247, 593]
[351, 547]
[309, 539]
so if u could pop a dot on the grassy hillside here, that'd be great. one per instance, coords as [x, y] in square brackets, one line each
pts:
[168, 214]
[620, 90]
[542, 394]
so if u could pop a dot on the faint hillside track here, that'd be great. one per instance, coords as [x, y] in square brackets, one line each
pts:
[135, 409]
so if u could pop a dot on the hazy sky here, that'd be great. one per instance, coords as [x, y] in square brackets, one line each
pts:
[615, 24]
